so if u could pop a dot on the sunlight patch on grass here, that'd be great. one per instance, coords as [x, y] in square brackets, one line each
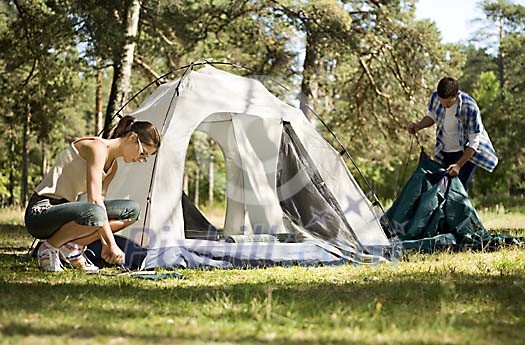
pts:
[12, 215]
[501, 220]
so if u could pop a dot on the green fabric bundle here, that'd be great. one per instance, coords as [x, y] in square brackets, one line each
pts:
[433, 211]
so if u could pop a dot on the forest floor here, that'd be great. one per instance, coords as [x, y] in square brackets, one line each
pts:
[441, 298]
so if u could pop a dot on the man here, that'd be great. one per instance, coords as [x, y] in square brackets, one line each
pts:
[462, 143]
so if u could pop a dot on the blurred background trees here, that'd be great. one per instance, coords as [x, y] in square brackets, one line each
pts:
[367, 67]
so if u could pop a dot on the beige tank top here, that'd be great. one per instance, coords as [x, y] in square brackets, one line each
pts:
[67, 178]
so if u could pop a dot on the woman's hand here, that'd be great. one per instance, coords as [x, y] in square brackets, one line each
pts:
[112, 254]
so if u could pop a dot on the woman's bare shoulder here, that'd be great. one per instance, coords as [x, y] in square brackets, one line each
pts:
[90, 147]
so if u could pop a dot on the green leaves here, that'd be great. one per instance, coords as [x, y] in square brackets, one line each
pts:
[367, 67]
[497, 83]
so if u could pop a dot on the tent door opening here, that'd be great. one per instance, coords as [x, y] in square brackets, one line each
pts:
[203, 188]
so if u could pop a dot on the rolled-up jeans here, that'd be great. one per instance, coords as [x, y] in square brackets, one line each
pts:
[44, 215]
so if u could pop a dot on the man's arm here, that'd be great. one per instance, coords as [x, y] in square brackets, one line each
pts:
[453, 169]
[425, 122]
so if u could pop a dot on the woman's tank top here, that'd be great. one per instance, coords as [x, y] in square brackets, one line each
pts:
[68, 177]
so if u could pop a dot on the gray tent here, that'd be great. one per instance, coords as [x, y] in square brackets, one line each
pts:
[283, 180]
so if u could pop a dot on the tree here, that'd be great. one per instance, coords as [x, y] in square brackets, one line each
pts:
[37, 37]
[502, 105]
[507, 17]
[375, 67]
[476, 60]
[122, 64]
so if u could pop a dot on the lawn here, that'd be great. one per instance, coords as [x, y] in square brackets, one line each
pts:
[444, 298]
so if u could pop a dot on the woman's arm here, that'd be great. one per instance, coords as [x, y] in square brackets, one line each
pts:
[95, 154]
[108, 179]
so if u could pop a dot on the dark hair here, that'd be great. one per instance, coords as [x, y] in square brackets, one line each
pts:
[147, 132]
[447, 87]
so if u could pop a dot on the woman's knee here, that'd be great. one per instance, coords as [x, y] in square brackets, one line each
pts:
[132, 211]
[93, 215]
[124, 210]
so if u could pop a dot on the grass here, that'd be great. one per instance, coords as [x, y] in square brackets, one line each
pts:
[444, 298]
[502, 221]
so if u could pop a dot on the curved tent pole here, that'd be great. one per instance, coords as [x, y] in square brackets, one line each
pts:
[190, 67]
[156, 81]
[175, 94]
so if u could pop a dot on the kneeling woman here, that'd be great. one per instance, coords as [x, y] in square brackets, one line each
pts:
[87, 165]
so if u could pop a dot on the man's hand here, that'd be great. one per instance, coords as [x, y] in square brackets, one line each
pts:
[453, 169]
[413, 128]
[112, 254]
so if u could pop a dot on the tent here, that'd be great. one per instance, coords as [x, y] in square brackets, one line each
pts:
[288, 190]
[433, 212]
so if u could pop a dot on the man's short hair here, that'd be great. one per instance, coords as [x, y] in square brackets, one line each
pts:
[447, 87]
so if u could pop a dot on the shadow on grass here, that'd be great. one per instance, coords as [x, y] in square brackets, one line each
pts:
[486, 306]
[14, 238]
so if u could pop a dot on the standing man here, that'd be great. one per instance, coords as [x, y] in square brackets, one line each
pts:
[462, 143]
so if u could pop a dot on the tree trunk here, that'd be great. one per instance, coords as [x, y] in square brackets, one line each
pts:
[25, 155]
[43, 166]
[196, 195]
[211, 177]
[501, 55]
[309, 84]
[12, 167]
[121, 84]
[99, 119]
[185, 184]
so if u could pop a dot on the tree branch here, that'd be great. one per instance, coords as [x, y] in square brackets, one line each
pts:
[145, 67]
[30, 75]
[396, 70]
[379, 92]
[165, 38]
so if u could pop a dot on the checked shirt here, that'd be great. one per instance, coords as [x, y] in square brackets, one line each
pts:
[469, 122]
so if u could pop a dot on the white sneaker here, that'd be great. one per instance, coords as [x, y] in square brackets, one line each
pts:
[74, 254]
[48, 258]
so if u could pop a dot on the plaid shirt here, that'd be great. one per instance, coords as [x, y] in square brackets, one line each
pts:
[469, 122]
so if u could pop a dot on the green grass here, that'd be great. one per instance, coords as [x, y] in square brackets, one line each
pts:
[444, 298]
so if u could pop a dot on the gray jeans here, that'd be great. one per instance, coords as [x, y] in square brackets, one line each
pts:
[45, 215]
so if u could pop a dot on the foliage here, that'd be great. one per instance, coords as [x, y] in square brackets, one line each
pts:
[38, 60]
[367, 67]
[500, 92]
[477, 59]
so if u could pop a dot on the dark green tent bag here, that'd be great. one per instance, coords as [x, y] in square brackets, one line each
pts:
[433, 211]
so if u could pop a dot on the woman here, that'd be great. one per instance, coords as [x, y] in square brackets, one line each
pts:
[87, 165]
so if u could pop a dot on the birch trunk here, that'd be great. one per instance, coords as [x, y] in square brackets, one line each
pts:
[211, 177]
[121, 84]
[43, 166]
[185, 184]
[99, 118]
[309, 84]
[197, 186]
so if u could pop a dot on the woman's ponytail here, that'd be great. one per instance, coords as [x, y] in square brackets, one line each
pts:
[146, 131]
[123, 127]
